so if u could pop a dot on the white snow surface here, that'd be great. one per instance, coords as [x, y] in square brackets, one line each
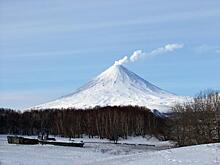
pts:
[116, 86]
[108, 154]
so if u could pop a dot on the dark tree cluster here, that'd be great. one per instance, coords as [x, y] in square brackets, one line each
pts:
[196, 122]
[104, 122]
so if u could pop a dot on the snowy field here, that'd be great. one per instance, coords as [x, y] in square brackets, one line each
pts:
[100, 152]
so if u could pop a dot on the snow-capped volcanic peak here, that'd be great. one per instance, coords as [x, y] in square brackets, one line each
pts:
[116, 86]
[119, 77]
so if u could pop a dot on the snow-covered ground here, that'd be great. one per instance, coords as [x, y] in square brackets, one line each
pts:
[99, 152]
[208, 154]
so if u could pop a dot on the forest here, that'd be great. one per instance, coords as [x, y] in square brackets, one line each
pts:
[104, 122]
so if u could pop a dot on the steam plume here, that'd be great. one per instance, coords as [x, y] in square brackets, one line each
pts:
[138, 54]
[166, 48]
[122, 61]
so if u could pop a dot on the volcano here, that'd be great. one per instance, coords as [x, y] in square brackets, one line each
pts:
[116, 86]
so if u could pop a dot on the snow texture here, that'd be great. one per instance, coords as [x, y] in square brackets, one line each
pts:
[117, 86]
[96, 152]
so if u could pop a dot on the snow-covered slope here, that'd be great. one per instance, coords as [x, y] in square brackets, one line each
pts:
[116, 86]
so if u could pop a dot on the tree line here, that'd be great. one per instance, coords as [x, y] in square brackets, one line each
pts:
[196, 121]
[109, 122]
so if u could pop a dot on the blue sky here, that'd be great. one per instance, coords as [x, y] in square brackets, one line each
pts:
[50, 48]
